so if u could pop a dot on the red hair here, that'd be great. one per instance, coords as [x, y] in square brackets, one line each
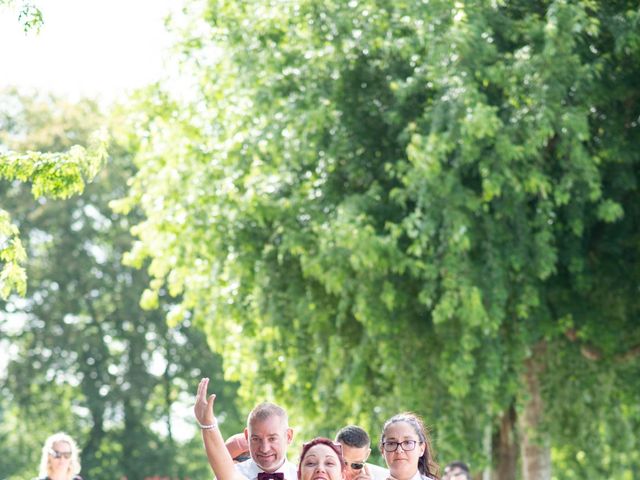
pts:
[336, 447]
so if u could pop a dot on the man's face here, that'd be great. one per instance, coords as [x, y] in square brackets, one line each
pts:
[455, 473]
[268, 440]
[357, 456]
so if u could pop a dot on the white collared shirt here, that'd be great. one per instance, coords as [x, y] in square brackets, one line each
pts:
[377, 473]
[250, 469]
[419, 476]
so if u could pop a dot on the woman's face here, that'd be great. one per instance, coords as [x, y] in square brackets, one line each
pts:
[321, 463]
[60, 457]
[403, 464]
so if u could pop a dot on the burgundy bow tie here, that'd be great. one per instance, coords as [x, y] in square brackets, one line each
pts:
[271, 476]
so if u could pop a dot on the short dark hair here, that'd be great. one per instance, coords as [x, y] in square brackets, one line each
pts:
[460, 465]
[353, 436]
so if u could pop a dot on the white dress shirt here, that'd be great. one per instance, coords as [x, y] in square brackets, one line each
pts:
[376, 472]
[419, 476]
[250, 469]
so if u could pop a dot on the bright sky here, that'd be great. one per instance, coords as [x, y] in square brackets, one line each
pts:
[97, 48]
[86, 47]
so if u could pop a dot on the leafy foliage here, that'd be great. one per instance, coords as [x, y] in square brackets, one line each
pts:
[52, 174]
[375, 206]
[84, 357]
[29, 15]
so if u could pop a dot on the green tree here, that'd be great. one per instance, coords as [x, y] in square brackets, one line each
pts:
[84, 357]
[384, 205]
[58, 174]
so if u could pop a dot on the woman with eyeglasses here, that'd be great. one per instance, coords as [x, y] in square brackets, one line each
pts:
[406, 448]
[60, 458]
[320, 459]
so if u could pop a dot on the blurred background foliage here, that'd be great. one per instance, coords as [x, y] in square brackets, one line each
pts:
[83, 357]
[364, 207]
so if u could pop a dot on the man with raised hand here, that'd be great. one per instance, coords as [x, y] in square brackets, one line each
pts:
[267, 433]
[356, 448]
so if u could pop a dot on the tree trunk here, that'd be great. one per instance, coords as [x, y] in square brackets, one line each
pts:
[168, 400]
[506, 447]
[487, 446]
[535, 450]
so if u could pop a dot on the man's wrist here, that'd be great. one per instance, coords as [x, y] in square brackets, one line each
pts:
[210, 426]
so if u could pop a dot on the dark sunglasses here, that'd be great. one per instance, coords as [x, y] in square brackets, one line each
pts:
[355, 466]
[57, 454]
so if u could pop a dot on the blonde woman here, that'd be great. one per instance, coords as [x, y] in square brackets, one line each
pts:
[60, 458]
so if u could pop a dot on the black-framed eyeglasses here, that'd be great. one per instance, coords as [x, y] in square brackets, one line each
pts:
[407, 445]
[355, 465]
[57, 454]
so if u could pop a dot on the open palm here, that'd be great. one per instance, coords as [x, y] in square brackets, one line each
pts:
[203, 407]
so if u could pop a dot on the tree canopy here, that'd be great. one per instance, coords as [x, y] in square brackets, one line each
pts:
[81, 355]
[368, 207]
[53, 174]
[375, 206]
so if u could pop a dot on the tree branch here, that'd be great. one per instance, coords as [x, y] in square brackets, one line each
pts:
[593, 353]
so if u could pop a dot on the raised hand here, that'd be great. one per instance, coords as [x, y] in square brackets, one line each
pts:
[203, 407]
[364, 474]
[219, 457]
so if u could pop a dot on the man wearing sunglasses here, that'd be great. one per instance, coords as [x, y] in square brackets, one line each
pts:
[356, 448]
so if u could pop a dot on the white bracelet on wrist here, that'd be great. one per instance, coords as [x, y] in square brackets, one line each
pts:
[208, 427]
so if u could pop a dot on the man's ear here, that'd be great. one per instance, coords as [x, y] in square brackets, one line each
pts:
[246, 434]
[368, 453]
[289, 436]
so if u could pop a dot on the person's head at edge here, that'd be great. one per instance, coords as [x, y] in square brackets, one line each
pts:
[456, 471]
[238, 447]
[403, 463]
[321, 455]
[356, 449]
[60, 457]
[268, 435]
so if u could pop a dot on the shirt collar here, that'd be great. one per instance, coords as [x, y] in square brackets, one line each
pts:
[255, 469]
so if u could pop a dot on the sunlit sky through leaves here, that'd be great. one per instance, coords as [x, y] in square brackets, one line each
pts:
[85, 47]
[95, 48]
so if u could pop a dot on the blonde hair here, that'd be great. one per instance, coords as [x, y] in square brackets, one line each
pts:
[45, 459]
